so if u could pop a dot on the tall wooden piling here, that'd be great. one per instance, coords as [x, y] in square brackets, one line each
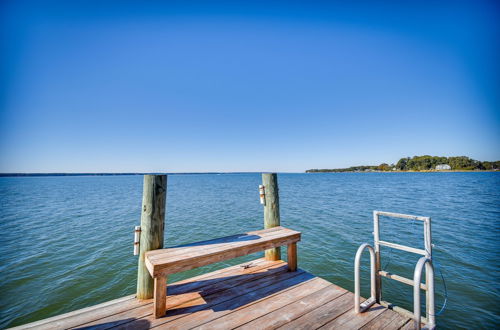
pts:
[271, 209]
[154, 199]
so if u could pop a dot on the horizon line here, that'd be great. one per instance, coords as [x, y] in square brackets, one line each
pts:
[6, 174]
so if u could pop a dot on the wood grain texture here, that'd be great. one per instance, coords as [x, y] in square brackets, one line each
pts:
[160, 296]
[260, 294]
[214, 243]
[353, 320]
[271, 210]
[248, 312]
[386, 320]
[152, 228]
[173, 260]
[193, 291]
[75, 318]
[290, 312]
[292, 257]
[321, 315]
[193, 312]
[380, 321]
[410, 325]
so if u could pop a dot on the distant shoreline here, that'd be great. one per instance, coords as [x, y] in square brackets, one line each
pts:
[13, 175]
[423, 163]
[114, 174]
[410, 171]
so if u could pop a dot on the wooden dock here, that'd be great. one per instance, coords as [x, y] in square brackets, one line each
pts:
[260, 294]
[266, 293]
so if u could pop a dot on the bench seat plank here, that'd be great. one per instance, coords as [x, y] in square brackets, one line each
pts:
[213, 243]
[180, 258]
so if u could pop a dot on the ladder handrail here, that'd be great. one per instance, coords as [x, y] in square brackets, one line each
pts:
[402, 215]
[377, 273]
[417, 278]
[427, 251]
[373, 289]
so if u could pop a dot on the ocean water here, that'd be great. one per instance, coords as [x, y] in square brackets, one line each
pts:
[67, 241]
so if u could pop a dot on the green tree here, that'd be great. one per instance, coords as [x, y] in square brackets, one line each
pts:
[383, 167]
[402, 163]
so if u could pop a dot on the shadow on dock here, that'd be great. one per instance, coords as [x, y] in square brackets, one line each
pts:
[265, 295]
[273, 281]
[140, 324]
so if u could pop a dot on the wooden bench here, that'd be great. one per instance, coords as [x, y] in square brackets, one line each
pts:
[163, 262]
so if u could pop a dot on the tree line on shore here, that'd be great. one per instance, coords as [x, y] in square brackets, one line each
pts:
[422, 163]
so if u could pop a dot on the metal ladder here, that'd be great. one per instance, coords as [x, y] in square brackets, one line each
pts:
[377, 272]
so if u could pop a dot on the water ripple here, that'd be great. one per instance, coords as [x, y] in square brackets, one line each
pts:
[67, 241]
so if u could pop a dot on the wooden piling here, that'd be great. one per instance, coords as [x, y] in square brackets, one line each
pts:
[271, 210]
[152, 228]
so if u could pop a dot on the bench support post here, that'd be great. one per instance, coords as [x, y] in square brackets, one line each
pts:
[292, 257]
[160, 298]
[271, 210]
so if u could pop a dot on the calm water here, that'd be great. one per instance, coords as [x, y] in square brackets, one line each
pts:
[67, 241]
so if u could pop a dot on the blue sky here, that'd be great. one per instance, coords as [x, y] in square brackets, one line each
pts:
[150, 86]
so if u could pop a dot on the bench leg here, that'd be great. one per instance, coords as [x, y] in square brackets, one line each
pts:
[160, 296]
[292, 257]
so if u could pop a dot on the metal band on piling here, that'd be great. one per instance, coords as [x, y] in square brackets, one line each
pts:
[262, 194]
[137, 235]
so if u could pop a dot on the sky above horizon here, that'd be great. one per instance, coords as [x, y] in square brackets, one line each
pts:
[147, 86]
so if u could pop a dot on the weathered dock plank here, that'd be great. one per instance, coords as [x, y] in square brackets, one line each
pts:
[243, 313]
[292, 311]
[386, 320]
[180, 315]
[181, 302]
[261, 294]
[323, 314]
[353, 320]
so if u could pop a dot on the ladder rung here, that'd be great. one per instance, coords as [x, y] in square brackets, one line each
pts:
[403, 247]
[402, 311]
[400, 215]
[400, 279]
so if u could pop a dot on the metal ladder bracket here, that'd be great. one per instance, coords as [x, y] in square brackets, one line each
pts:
[365, 305]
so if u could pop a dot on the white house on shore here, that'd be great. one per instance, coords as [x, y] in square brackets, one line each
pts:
[443, 167]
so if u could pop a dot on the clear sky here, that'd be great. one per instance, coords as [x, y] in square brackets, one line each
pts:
[159, 86]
